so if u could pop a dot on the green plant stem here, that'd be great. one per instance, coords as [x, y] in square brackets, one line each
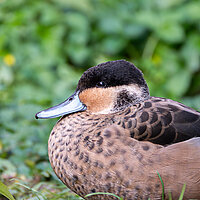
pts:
[150, 47]
[182, 192]
[163, 190]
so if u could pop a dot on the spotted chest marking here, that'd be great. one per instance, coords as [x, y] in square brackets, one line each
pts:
[89, 159]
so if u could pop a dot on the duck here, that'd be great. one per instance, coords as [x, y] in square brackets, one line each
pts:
[114, 137]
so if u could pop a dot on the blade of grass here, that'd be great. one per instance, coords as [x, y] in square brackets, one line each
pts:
[5, 192]
[106, 193]
[163, 191]
[170, 196]
[182, 192]
[34, 191]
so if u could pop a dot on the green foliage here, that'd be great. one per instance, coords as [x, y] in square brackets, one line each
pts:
[4, 191]
[40, 191]
[46, 45]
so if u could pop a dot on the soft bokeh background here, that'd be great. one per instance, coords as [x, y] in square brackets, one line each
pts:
[45, 45]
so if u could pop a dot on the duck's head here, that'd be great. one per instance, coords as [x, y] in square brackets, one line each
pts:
[105, 88]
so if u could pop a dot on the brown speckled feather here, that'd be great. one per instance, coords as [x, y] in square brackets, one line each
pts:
[110, 161]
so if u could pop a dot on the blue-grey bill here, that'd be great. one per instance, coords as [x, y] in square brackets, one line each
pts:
[71, 105]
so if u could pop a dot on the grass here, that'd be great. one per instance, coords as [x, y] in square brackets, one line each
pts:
[170, 196]
[35, 192]
[104, 193]
[163, 190]
[45, 191]
[53, 190]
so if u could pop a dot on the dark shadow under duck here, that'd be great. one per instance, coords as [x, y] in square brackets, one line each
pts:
[95, 146]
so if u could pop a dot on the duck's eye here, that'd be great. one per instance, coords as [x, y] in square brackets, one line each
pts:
[101, 84]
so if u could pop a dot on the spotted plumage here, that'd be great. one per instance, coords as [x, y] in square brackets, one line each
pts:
[114, 137]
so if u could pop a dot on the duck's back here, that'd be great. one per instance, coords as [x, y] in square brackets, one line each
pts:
[161, 121]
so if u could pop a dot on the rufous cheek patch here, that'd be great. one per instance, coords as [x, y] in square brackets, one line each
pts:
[97, 99]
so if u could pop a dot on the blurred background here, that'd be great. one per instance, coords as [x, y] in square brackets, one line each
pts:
[45, 45]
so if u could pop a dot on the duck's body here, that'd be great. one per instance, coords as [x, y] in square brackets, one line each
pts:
[111, 161]
[97, 150]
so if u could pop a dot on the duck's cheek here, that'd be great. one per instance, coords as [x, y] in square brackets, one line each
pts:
[98, 100]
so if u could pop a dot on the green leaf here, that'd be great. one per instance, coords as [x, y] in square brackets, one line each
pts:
[191, 52]
[169, 3]
[7, 167]
[133, 30]
[190, 11]
[178, 83]
[148, 19]
[111, 25]
[170, 32]
[112, 45]
[193, 102]
[4, 191]
[6, 76]
[78, 53]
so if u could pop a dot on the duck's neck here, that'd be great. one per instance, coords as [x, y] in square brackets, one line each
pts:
[130, 96]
